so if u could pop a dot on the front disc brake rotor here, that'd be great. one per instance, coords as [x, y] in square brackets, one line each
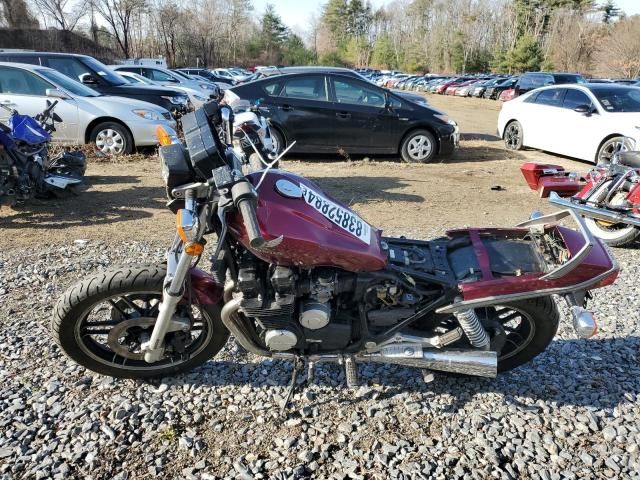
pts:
[120, 338]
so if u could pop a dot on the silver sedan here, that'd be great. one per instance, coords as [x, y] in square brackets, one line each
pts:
[115, 125]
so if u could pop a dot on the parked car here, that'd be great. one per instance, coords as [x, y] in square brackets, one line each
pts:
[196, 97]
[412, 97]
[494, 91]
[207, 74]
[114, 124]
[164, 76]
[326, 111]
[99, 77]
[532, 80]
[508, 94]
[588, 121]
[232, 74]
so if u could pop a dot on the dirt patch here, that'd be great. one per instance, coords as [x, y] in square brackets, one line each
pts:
[126, 200]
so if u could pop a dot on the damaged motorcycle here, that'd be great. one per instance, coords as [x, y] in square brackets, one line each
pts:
[296, 274]
[26, 169]
[608, 197]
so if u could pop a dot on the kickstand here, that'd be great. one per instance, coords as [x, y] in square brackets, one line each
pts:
[297, 366]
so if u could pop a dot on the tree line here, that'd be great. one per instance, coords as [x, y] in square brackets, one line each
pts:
[439, 36]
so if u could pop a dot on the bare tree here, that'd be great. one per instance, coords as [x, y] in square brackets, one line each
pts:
[120, 16]
[15, 14]
[573, 39]
[618, 54]
[64, 13]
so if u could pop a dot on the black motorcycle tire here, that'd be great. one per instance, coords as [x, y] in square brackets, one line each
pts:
[545, 318]
[95, 289]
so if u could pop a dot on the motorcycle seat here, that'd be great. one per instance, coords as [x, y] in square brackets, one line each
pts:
[630, 159]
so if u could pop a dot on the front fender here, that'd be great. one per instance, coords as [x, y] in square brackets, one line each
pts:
[204, 289]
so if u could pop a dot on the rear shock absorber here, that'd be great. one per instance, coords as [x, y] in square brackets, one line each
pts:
[473, 329]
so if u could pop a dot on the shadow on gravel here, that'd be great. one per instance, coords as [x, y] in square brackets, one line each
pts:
[365, 190]
[588, 373]
[482, 151]
[90, 207]
[479, 136]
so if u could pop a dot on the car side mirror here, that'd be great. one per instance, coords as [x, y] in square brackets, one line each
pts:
[584, 109]
[55, 93]
[88, 79]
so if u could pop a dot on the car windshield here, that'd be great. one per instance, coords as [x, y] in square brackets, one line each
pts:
[66, 83]
[181, 74]
[569, 79]
[104, 72]
[621, 99]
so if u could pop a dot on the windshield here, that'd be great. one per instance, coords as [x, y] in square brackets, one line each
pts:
[104, 72]
[181, 74]
[64, 82]
[569, 79]
[621, 99]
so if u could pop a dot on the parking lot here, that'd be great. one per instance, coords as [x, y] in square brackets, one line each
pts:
[572, 413]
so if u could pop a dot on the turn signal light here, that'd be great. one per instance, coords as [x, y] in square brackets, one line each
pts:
[194, 249]
[179, 228]
[163, 137]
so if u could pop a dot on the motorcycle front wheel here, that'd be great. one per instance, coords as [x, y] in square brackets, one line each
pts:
[102, 321]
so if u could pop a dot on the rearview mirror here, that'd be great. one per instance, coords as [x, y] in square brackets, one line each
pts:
[88, 79]
[584, 109]
[55, 93]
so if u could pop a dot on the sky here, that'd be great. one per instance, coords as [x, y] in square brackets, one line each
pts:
[296, 13]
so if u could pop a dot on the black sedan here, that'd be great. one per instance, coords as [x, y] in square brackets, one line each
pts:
[329, 112]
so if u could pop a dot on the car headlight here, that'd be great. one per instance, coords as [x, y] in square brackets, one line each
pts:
[177, 99]
[207, 86]
[148, 114]
[442, 116]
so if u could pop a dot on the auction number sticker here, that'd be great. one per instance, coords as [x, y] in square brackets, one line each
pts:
[345, 219]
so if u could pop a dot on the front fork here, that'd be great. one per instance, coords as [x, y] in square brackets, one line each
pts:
[172, 293]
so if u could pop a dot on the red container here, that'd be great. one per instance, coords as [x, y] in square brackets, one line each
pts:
[547, 177]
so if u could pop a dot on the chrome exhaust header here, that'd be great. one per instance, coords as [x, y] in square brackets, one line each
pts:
[481, 363]
[594, 212]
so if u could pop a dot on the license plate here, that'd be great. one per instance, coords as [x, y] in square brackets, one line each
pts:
[345, 219]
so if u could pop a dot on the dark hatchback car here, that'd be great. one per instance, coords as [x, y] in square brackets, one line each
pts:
[330, 112]
[98, 76]
[532, 80]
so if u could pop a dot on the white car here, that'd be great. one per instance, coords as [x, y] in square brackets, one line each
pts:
[196, 97]
[589, 121]
[114, 124]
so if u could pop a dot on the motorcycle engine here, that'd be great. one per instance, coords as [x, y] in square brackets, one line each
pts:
[18, 181]
[293, 310]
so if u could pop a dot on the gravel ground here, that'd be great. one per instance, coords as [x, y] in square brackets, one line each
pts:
[572, 413]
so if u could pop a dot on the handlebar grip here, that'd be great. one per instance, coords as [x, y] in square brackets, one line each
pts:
[248, 212]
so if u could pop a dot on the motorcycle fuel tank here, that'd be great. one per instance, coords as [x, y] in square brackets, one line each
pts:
[317, 230]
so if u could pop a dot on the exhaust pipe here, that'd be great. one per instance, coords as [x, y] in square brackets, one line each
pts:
[480, 363]
[594, 212]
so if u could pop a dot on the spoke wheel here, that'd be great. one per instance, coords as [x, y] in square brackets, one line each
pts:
[102, 322]
[513, 136]
[610, 147]
[419, 147]
[110, 142]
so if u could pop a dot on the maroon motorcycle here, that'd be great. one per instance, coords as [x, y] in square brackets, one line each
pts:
[298, 275]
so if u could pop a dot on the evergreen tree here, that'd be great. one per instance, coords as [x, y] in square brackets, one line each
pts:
[525, 56]
[273, 34]
[609, 11]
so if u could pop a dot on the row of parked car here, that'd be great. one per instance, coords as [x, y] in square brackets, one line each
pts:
[494, 87]
[118, 107]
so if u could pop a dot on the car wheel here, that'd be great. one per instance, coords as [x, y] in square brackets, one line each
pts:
[609, 148]
[513, 135]
[111, 138]
[278, 141]
[418, 147]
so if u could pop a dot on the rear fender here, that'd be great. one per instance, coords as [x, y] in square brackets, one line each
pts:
[634, 198]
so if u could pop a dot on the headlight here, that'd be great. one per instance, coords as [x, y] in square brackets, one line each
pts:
[443, 117]
[148, 115]
[207, 86]
[177, 100]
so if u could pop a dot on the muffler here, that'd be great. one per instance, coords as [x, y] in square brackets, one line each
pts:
[480, 363]
[594, 212]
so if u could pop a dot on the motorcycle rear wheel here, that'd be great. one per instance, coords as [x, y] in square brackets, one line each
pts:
[616, 235]
[125, 302]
